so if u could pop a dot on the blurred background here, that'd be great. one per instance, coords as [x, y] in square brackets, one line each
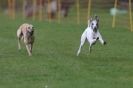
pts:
[73, 11]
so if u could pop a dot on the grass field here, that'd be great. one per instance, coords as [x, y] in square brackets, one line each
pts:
[54, 63]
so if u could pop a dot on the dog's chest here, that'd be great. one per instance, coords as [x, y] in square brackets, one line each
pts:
[31, 39]
[92, 34]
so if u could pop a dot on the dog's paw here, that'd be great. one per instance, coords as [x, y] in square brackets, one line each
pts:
[97, 38]
[104, 43]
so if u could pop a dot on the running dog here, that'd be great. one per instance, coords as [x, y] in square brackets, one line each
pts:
[26, 34]
[91, 33]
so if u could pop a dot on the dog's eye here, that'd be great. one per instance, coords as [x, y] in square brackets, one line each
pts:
[28, 27]
[92, 24]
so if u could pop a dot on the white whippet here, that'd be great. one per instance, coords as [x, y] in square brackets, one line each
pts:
[91, 33]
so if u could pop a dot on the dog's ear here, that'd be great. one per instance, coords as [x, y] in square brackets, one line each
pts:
[33, 27]
[97, 18]
[90, 20]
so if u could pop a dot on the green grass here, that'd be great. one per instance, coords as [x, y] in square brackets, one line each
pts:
[54, 62]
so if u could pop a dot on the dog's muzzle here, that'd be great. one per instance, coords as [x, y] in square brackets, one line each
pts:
[30, 33]
[95, 29]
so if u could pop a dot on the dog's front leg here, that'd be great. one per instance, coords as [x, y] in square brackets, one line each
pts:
[92, 42]
[28, 49]
[31, 46]
[100, 38]
[90, 47]
[26, 41]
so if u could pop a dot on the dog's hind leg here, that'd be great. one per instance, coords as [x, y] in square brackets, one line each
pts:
[19, 36]
[82, 41]
[19, 46]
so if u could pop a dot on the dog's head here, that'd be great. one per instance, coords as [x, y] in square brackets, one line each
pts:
[94, 23]
[30, 29]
